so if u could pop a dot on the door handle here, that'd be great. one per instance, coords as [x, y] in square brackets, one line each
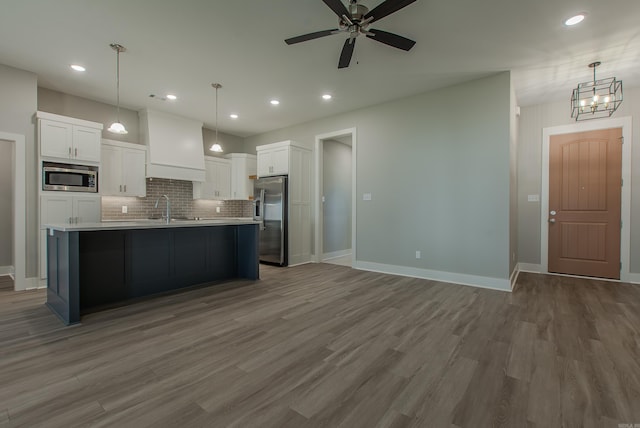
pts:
[552, 220]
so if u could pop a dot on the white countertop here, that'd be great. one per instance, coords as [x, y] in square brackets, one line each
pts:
[149, 224]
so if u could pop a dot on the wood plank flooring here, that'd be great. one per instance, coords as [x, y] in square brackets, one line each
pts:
[327, 346]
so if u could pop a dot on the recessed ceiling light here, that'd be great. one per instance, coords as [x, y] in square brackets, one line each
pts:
[326, 97]
[172, 97]
[574, 20]
[274, 102]
[233, 116]
[77, 67]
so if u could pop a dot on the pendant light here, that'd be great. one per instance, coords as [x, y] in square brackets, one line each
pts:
[216, 147]
[597, 98]
[117, 127]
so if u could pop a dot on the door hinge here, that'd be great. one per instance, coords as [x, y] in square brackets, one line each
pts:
[620, 266]
[621, 182]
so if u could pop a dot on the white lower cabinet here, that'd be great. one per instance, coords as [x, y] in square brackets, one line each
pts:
[122, 171]
[217, 184]
[65, 209]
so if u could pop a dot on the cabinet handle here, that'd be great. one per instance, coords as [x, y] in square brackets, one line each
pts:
[121, 188]
[125, 188]
[70, 220]
[69, 152]
[76, 152]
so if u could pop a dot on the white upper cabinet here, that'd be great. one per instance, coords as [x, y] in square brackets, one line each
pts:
[68, 139]
[217, 184]
[243, 165]
[122, 172]
[273, 159]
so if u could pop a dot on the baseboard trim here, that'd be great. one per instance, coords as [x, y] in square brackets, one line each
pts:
[336, 254]
[530, 267]
[6, 270]
[634, 278]
[514, 277]
[32, 284]
[498, 284]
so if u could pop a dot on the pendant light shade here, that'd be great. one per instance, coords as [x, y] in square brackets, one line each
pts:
[216, 147]
[117, 127]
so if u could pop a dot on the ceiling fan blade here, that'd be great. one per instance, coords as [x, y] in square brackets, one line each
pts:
[347, 52]
[386, 8]
[391, 39]
[311, 36]
[337, 7]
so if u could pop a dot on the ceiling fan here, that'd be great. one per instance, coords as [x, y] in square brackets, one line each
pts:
[355, 21]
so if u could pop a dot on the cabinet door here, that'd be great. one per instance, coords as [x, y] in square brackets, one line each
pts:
[56, 209]
[111, 171]
[264, 163]
[86, 143]
[280, 161]
[86, 209]
[133, 173]
[55, 139]
[223, 180]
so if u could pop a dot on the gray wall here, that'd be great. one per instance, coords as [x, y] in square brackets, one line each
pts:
[82, 108]
[95, 111]
[513, 183]
[336, 162]
[18, 104]
[532, 120]
[230, 143]
[437, 165]
[6, 203]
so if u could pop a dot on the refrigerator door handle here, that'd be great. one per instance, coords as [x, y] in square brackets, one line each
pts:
[262, 225]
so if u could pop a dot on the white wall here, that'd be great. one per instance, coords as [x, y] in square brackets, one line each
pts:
[513, 181]
[437, 166]
[6, 204]
[18, 104]
[532, 120]
[336, 227]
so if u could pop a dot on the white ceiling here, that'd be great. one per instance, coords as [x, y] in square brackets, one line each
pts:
[183, 46]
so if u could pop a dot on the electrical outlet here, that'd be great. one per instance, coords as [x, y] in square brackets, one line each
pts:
[366, 196]
[418, 254]
[124, 209]
[218, 210]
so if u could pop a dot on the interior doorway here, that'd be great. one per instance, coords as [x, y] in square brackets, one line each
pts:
[6, 210]
[334, 238]
[17, 268]
[589, 228]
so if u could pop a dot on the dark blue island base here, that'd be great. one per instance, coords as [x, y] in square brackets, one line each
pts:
[88, 270]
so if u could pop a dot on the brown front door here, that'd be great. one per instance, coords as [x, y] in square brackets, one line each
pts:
[585, 179]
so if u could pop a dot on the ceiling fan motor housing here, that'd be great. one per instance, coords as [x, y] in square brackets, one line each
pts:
[357, 11]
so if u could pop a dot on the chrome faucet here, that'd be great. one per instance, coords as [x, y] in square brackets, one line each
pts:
[168, 207]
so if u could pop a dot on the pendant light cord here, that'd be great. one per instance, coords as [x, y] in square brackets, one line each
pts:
[217, 115]
[118, 84]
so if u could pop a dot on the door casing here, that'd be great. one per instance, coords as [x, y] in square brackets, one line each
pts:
[625, 235]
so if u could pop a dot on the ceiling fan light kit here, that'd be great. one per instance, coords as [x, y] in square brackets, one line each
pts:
[597, 98]
[356, 21]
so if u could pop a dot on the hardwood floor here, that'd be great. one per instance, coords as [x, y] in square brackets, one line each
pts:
[327, 346]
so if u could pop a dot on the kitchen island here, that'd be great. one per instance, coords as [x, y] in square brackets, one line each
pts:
[95, 265]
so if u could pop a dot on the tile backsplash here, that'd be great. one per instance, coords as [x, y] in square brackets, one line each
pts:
[180, 194]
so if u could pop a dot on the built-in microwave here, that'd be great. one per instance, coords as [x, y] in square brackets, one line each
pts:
[69, 178]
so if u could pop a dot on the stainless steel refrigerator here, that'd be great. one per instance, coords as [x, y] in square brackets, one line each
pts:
[270, 208]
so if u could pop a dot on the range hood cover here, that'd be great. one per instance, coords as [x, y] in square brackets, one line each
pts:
[174, 146]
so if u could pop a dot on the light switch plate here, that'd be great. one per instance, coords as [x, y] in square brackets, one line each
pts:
[366, 196]
[124, 209]
[533, 198]
[218, 210]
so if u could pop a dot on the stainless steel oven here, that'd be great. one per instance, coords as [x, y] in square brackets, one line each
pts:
[69, 178]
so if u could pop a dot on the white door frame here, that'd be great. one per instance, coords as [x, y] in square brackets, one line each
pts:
[19, 209]
[625, 235]
[318, 191]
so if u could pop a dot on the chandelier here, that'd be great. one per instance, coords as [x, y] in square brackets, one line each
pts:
[596, 99]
